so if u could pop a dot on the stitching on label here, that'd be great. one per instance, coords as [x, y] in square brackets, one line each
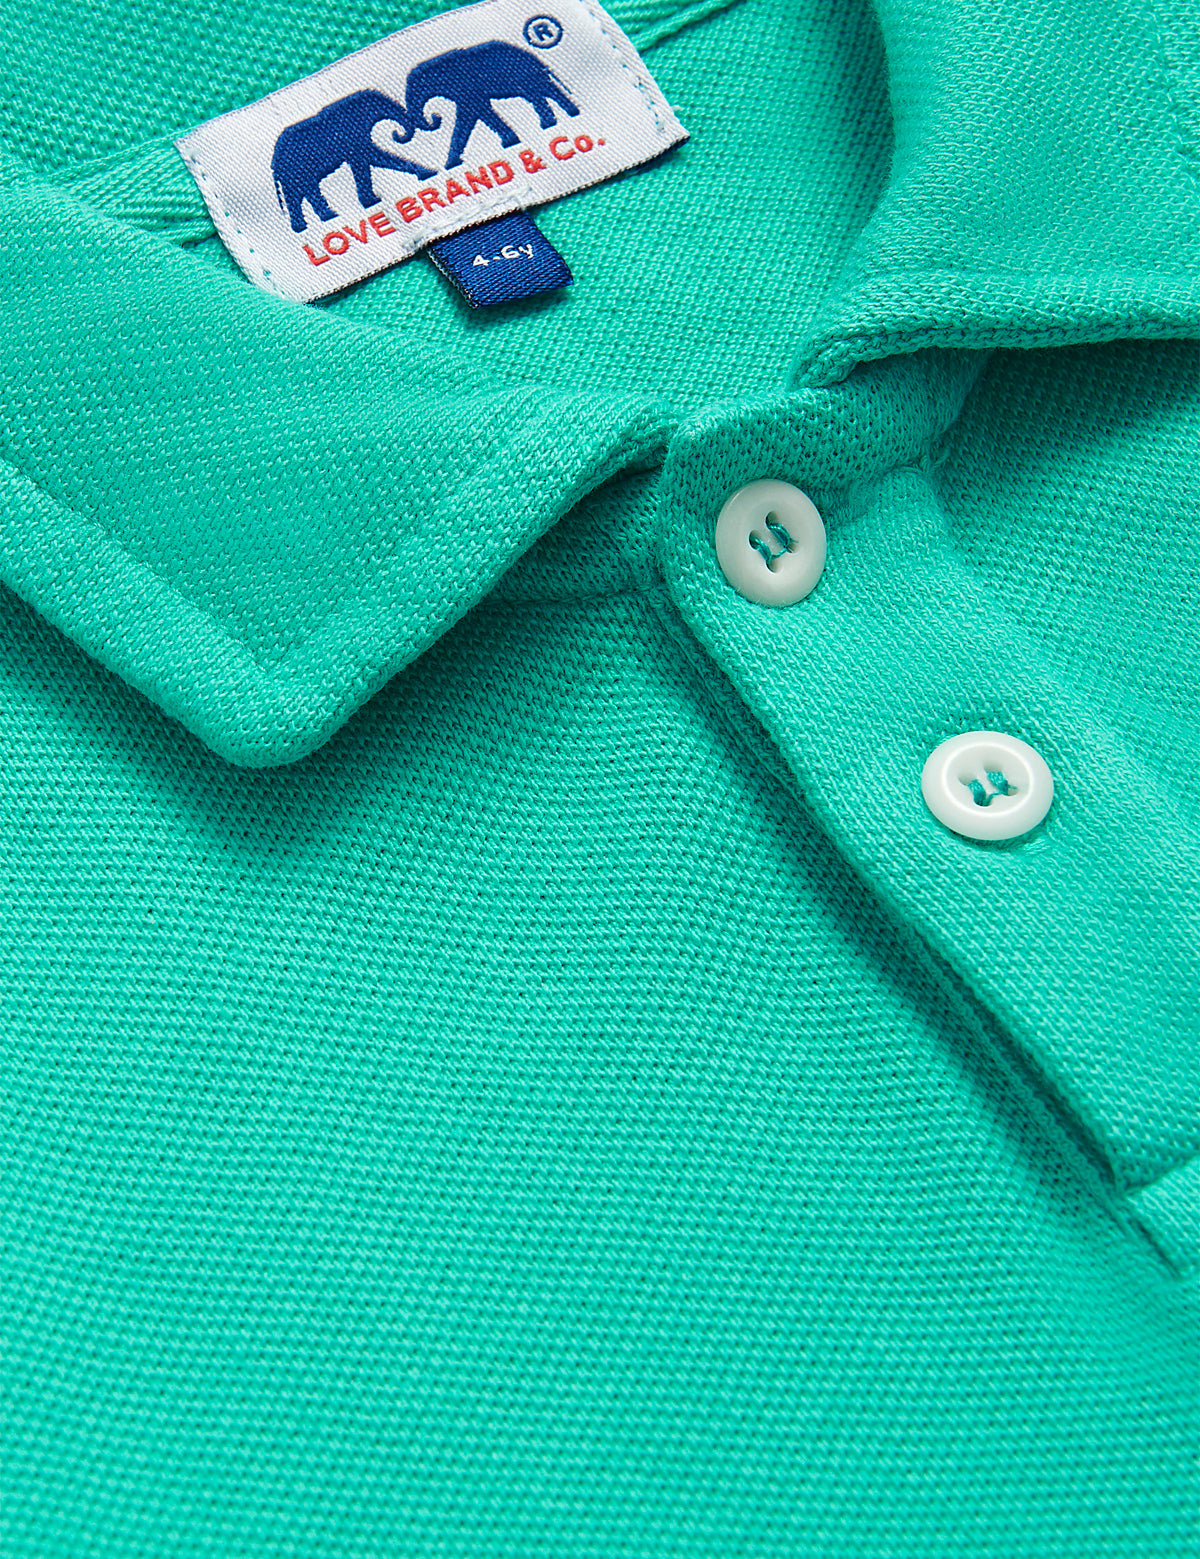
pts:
[601, 22]
[246, 244]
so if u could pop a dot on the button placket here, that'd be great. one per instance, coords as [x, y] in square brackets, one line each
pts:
[858, 688]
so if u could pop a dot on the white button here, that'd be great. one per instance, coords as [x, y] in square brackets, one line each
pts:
[770, 543]
[986, 785]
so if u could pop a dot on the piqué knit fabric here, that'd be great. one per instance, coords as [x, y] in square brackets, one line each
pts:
[497, 1060]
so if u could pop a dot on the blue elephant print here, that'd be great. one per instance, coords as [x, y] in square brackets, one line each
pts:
[341, 133]
[471, 79]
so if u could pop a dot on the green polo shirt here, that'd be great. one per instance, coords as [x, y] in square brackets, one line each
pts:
[498, 1056]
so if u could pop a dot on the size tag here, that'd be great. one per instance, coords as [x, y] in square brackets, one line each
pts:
[501, 261]
[472, 114]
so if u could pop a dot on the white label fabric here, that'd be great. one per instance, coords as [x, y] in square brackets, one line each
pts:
[479, 111]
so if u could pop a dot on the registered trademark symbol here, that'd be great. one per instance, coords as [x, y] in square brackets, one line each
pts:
[542, 32]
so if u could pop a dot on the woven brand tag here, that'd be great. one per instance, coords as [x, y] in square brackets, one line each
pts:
[477, 112]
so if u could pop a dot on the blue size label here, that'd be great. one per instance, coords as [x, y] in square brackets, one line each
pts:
[501, 261]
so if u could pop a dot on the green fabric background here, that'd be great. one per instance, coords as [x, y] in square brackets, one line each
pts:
[497, 1058]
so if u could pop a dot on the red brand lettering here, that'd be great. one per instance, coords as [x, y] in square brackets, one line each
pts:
[530, 163]
[478, 181]
[501, 172]
[359, 233]
[336, 243]
[430, 198]
[381, 224]
[409, 208]
[317, 259]
[453, 190]
[582, 143]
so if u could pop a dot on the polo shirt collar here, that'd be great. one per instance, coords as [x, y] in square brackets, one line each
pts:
[164, 502]
[1044, 186]
[259, 573]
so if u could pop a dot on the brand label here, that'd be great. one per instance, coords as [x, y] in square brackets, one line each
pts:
[477, 112]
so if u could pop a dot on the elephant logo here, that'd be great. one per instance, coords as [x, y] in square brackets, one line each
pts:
[307, 152]
[471, 79]
[343, 132]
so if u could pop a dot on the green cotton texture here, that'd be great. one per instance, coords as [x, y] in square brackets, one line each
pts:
[497, 1057]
